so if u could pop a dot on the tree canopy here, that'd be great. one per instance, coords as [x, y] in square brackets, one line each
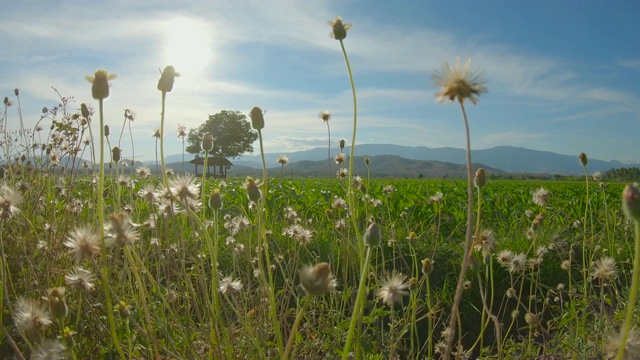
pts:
[232, 133]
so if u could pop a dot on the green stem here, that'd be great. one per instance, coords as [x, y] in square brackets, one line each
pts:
[164, 172]
[104, 265]
[264, 245]
[467, 246]
[358, 304]
[352, 205]
[294, 330]
[633, 294]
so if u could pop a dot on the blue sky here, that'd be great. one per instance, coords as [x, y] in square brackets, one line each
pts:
[562, 75]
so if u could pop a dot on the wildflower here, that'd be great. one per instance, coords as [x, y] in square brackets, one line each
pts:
[80, 278]
[283, 160]
[156, 133]
[325, 115]
[229, 286]
[144, 172]
[427, 266]
[597, 176]
[517, 263]
[148, 192]
[388, 189]
[124, 309]
[9, 201]
[120, 230]
[100, 84]
[339, 29]
[257, 118]
[49, 350]
[341, 143]
[165, 84]
[485, 242]
[182, 132]
[83, 242]
[604, 269]
[541, 196]
[215, 200]
[185, 187]
[393, 288]
[339, 202]
[31, 315]
[207, 142]
[357, 181]
[631, 347]
[565, 265]
[57, 304]
[129, 114]
[84, 111]
[631, 202]
[239, 248]
[342, 173]
[412, 236]
[459, 82]
[480, 179]
[583, 159]
[317, 280]
[340, 158]
[299, 233]
[372, 235]
[253, 192]
[504, 257]
[437, 198]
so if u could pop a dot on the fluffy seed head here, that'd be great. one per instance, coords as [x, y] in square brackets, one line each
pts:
[283, 160]
[393, 288]
[83, 242]
[31, 315]
[317, 280]
[604, 269]
[229, 286]
[459, 82]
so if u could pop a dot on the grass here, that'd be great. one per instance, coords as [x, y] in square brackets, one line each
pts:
[101, 265]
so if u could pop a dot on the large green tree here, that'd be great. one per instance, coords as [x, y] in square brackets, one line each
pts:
[231, 130]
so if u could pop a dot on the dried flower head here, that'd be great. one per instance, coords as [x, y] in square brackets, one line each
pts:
[185, 187]
[459, 82]
[100, 83]
[229, 286]
[144, 172]
[604, 269]
[120, 230]
[339, 29]
[215, 200]
[393, 288]
[83, 242]
[9, 201]
[583, 159]
[427, 266]
[597, 176]
[437, 198]
[167, 77]
[57, 304]
[80, 278]
[480, 180]
[283, 160]
[31, 315]
[373, 235]
[341, 143]
[325, 115]
[49, 350]
[207, 142]
[630, 347]
[317, 280]
[182, 132]
[485, 241]
[541, 197]
[156, 133]
[342, 173]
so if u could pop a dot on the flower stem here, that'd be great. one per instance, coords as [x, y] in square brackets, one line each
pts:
[467, 246]
[164, 172]
[358, 304]
[294, 330]
[352, 205]
[633, 294]
[104, 265]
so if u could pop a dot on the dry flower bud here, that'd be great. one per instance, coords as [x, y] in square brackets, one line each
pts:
[373, 235]
[317, 280]
[631, 202]
[165, 84]
[257, 118]
[207, 142]
[583, 159]
[115, 154]
[480, 179]
[215, 201]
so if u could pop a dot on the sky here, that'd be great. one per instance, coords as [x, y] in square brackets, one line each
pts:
[561, 75]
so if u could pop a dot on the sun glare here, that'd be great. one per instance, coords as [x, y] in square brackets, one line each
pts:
[188, 46]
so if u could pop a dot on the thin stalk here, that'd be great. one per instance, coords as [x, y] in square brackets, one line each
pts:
[467, 246]
[264, 245]
[143, 300]
[104, 266]
[358, 305]
[352, 205]
[633, 294]
[164, 173]
[294, 330]
[329, 148]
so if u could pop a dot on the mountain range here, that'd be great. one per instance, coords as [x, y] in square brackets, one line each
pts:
[507, 159]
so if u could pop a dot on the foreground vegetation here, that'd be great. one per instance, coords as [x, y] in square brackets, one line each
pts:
[97, 264]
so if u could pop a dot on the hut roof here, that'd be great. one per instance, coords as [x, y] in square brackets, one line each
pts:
[212, 161]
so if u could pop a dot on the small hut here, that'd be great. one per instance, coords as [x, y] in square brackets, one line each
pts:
[219, 163]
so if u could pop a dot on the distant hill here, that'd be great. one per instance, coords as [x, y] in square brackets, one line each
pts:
[509, 159]
[382, 166]
[506, 158]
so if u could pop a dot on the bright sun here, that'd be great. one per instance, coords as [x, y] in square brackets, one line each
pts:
[188, 46]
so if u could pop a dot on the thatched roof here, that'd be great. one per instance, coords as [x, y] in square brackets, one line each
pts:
[212, 161]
